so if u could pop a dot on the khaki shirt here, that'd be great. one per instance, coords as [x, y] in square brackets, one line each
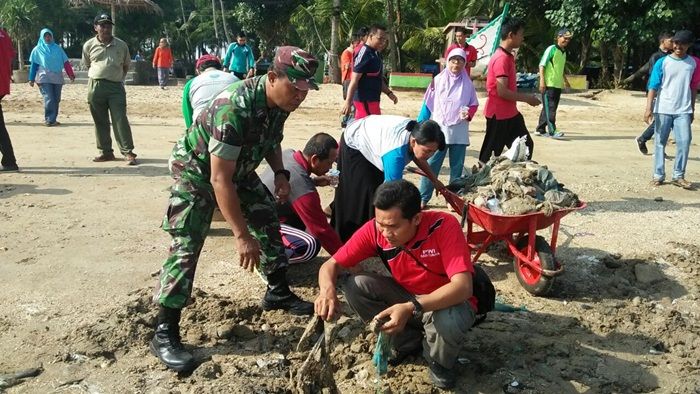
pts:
[106, 61]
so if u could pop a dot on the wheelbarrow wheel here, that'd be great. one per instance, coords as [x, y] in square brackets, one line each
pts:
[532, 280]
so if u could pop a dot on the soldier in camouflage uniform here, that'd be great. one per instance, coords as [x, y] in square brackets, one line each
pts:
[215, 162]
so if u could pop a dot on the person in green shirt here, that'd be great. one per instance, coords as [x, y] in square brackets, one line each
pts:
[552, 80]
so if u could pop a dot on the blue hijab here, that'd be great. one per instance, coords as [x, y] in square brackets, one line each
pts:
[50, 56]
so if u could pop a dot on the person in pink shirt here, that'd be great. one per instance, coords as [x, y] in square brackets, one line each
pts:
[503, 121]
[461, 42]
[7, 53]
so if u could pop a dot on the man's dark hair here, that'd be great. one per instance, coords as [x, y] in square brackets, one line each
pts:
[375, 28]
[356, 36]
[461, 29]
[511, 25]
[401, 194]
[426, 132]
[321, 145]
[241, 34]
[664, 36]
[363, 31]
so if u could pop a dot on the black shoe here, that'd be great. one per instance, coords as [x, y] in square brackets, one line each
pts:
[441, 377]
[401, 355]
[279, 296]
[641, 145]
[166, 343]
[9, 169]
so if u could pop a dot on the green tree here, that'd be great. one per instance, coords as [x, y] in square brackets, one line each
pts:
[16, 16]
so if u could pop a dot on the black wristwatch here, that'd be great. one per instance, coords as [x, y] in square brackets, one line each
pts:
[284, 172]
[417, 309]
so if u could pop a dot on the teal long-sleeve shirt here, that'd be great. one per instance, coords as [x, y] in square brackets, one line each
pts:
[239, 58]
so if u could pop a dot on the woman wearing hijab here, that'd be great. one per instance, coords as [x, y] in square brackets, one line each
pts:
[373, 150]
[451, 101]
[163, 62]
[48, 62]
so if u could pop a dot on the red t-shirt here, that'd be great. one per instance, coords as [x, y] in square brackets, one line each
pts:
[7, 53]
[346, 63]
[439, 244]
[502, 64]
[471, 54]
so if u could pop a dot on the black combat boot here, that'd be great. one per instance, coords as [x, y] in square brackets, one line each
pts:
[279, 296]
[166, 343]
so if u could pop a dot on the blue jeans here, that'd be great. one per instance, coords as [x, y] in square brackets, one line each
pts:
[681, 133]
[648, 133]
[457, 154]
[52, 96]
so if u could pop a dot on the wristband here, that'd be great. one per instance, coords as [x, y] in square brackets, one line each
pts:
[284, 172]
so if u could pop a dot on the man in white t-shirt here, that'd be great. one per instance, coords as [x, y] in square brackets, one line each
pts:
[200, 89]
[673, 85]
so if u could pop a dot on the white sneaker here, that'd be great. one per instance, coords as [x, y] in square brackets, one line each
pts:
[557, 135]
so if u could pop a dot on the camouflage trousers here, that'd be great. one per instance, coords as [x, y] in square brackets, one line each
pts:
[188, 219]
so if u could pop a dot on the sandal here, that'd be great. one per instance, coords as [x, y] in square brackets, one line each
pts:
[657, 183]
[682, 183]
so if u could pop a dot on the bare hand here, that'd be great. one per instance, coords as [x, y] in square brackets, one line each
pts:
[248, 251]
[533, 101]
[398, 315]
[346, 109]
[31, 83]
[250, 73]
[322, 180]
[327, 306]
[393, 97]
[282, 189]
[438, 185]
[543, 87]
[648, 117]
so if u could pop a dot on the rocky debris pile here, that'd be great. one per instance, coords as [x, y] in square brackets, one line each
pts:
[509, 187]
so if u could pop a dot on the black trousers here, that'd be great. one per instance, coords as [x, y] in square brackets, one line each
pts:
[549, 110]
[502, 133]
[354, 196]
[8, 154]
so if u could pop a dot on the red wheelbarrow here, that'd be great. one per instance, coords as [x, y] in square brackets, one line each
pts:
[534, 263]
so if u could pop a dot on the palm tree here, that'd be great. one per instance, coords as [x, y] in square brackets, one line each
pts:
[17, 18]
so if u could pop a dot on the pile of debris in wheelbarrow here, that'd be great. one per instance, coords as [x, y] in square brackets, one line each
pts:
[511, 185]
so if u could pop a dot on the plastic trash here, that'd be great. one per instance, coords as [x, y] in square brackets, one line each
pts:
[494, 205]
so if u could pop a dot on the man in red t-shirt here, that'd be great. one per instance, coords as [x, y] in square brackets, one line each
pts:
[503, 121]
[346, 61]
[461, 42]
[426, 304]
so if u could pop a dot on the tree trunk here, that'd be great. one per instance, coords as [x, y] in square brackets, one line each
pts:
[398, 37]
[393, 59]
[114, 18]
[585, 51]
[604, 64]
[20, 63]
[223, 20]
[618, 64]
[335, 24]
[188, 44]
[213, 12]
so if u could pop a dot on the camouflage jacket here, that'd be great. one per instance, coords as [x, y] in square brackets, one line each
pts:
[237, 126]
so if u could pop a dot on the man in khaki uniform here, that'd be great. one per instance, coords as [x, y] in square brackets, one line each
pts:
[107, 59]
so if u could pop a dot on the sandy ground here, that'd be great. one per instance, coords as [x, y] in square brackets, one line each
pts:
[80, 246]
